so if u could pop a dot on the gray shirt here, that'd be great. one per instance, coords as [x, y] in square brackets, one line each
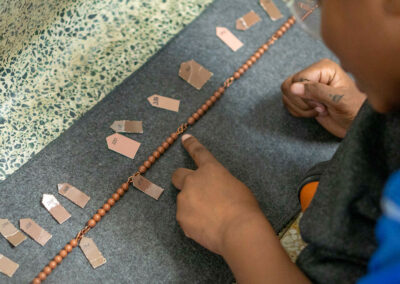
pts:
[340, 221]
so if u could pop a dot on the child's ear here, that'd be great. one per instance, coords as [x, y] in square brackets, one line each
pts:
[392, 7]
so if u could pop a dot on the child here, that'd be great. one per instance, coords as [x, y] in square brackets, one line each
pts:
[220, 213]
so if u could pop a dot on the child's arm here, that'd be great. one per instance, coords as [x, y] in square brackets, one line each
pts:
[220, 213]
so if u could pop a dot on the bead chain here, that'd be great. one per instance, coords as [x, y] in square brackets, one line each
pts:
[159, 151]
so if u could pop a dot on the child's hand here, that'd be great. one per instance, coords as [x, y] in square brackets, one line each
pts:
[211, 200]
[326, 92]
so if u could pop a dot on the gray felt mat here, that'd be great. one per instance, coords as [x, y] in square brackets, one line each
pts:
[248, 130]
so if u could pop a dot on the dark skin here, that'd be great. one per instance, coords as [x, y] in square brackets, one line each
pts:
[220, 212]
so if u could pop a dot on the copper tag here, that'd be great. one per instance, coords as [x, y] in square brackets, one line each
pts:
[195, 74]
[7, 266]
[247, 21]
[91, 252]
[34, 231]
[164, 102]
[127, 126]
[12, 234]
[123, 145]
[143, 184]
[229, 38]
[73, 194]
[54, 207]
[270, 7]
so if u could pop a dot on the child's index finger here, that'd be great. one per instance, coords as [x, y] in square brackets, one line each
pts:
[197, 151]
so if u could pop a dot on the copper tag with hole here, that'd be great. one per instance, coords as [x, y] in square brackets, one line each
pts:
[36, 232]
[228, 38]
[7, 266]
[247, 21]
[271, 9]
[73, 194]
[12, 234]
[91, 252]
[143, 184]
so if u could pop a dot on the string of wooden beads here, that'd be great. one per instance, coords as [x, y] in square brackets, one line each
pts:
[119, 193]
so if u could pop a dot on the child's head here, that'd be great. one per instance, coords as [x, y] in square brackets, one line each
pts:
[365, 35]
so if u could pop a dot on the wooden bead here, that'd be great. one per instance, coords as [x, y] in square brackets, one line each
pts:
[58, 259]
[63, 253]
[106, 207]
[249, 63]
[241, 71]
[174, 135]
[283, 29]
[120, 191]
[260, 50]
[245, 67]
[286, 25]
[68, 248]
[142, 169]
[257, 55]
[125, 186]
[42, 276]
[200, 112]
[115, 196]
[73, 243]
[170, 140]
[236, 75]
[97, 217]
[91, 223]
[151, 159]
[209, 103]
[196, 116]
[271, 42]
[47, 270]
[160, 149]
[165, 145]
[36, 281]
[156, 154]
[217, 95]
[279, 33]
[101, 212]
[191, 120]
[147, 164]
[265, 47]
[253, 59]
[291, 21]
[213, 98]
[221, 90]
[52, 264]
[111, 202]
[204, 107]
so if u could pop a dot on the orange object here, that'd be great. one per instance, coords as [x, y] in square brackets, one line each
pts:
[307, 193]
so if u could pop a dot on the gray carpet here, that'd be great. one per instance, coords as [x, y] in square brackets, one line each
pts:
[248, 130]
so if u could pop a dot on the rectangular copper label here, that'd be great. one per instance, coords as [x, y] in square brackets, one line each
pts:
[91, 252]
[34, 231]
[54, 207]
[229, 38]
[247, 21]
[164, 102]
[143, 184]
[73, 194]
[7, 266]
[195, 74]
[12, 234]
[127, 126]
[270, 7]
[123, 145]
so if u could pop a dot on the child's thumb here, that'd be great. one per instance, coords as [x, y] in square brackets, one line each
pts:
[315, 91]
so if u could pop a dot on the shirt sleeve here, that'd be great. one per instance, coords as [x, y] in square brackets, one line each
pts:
[384, 265]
